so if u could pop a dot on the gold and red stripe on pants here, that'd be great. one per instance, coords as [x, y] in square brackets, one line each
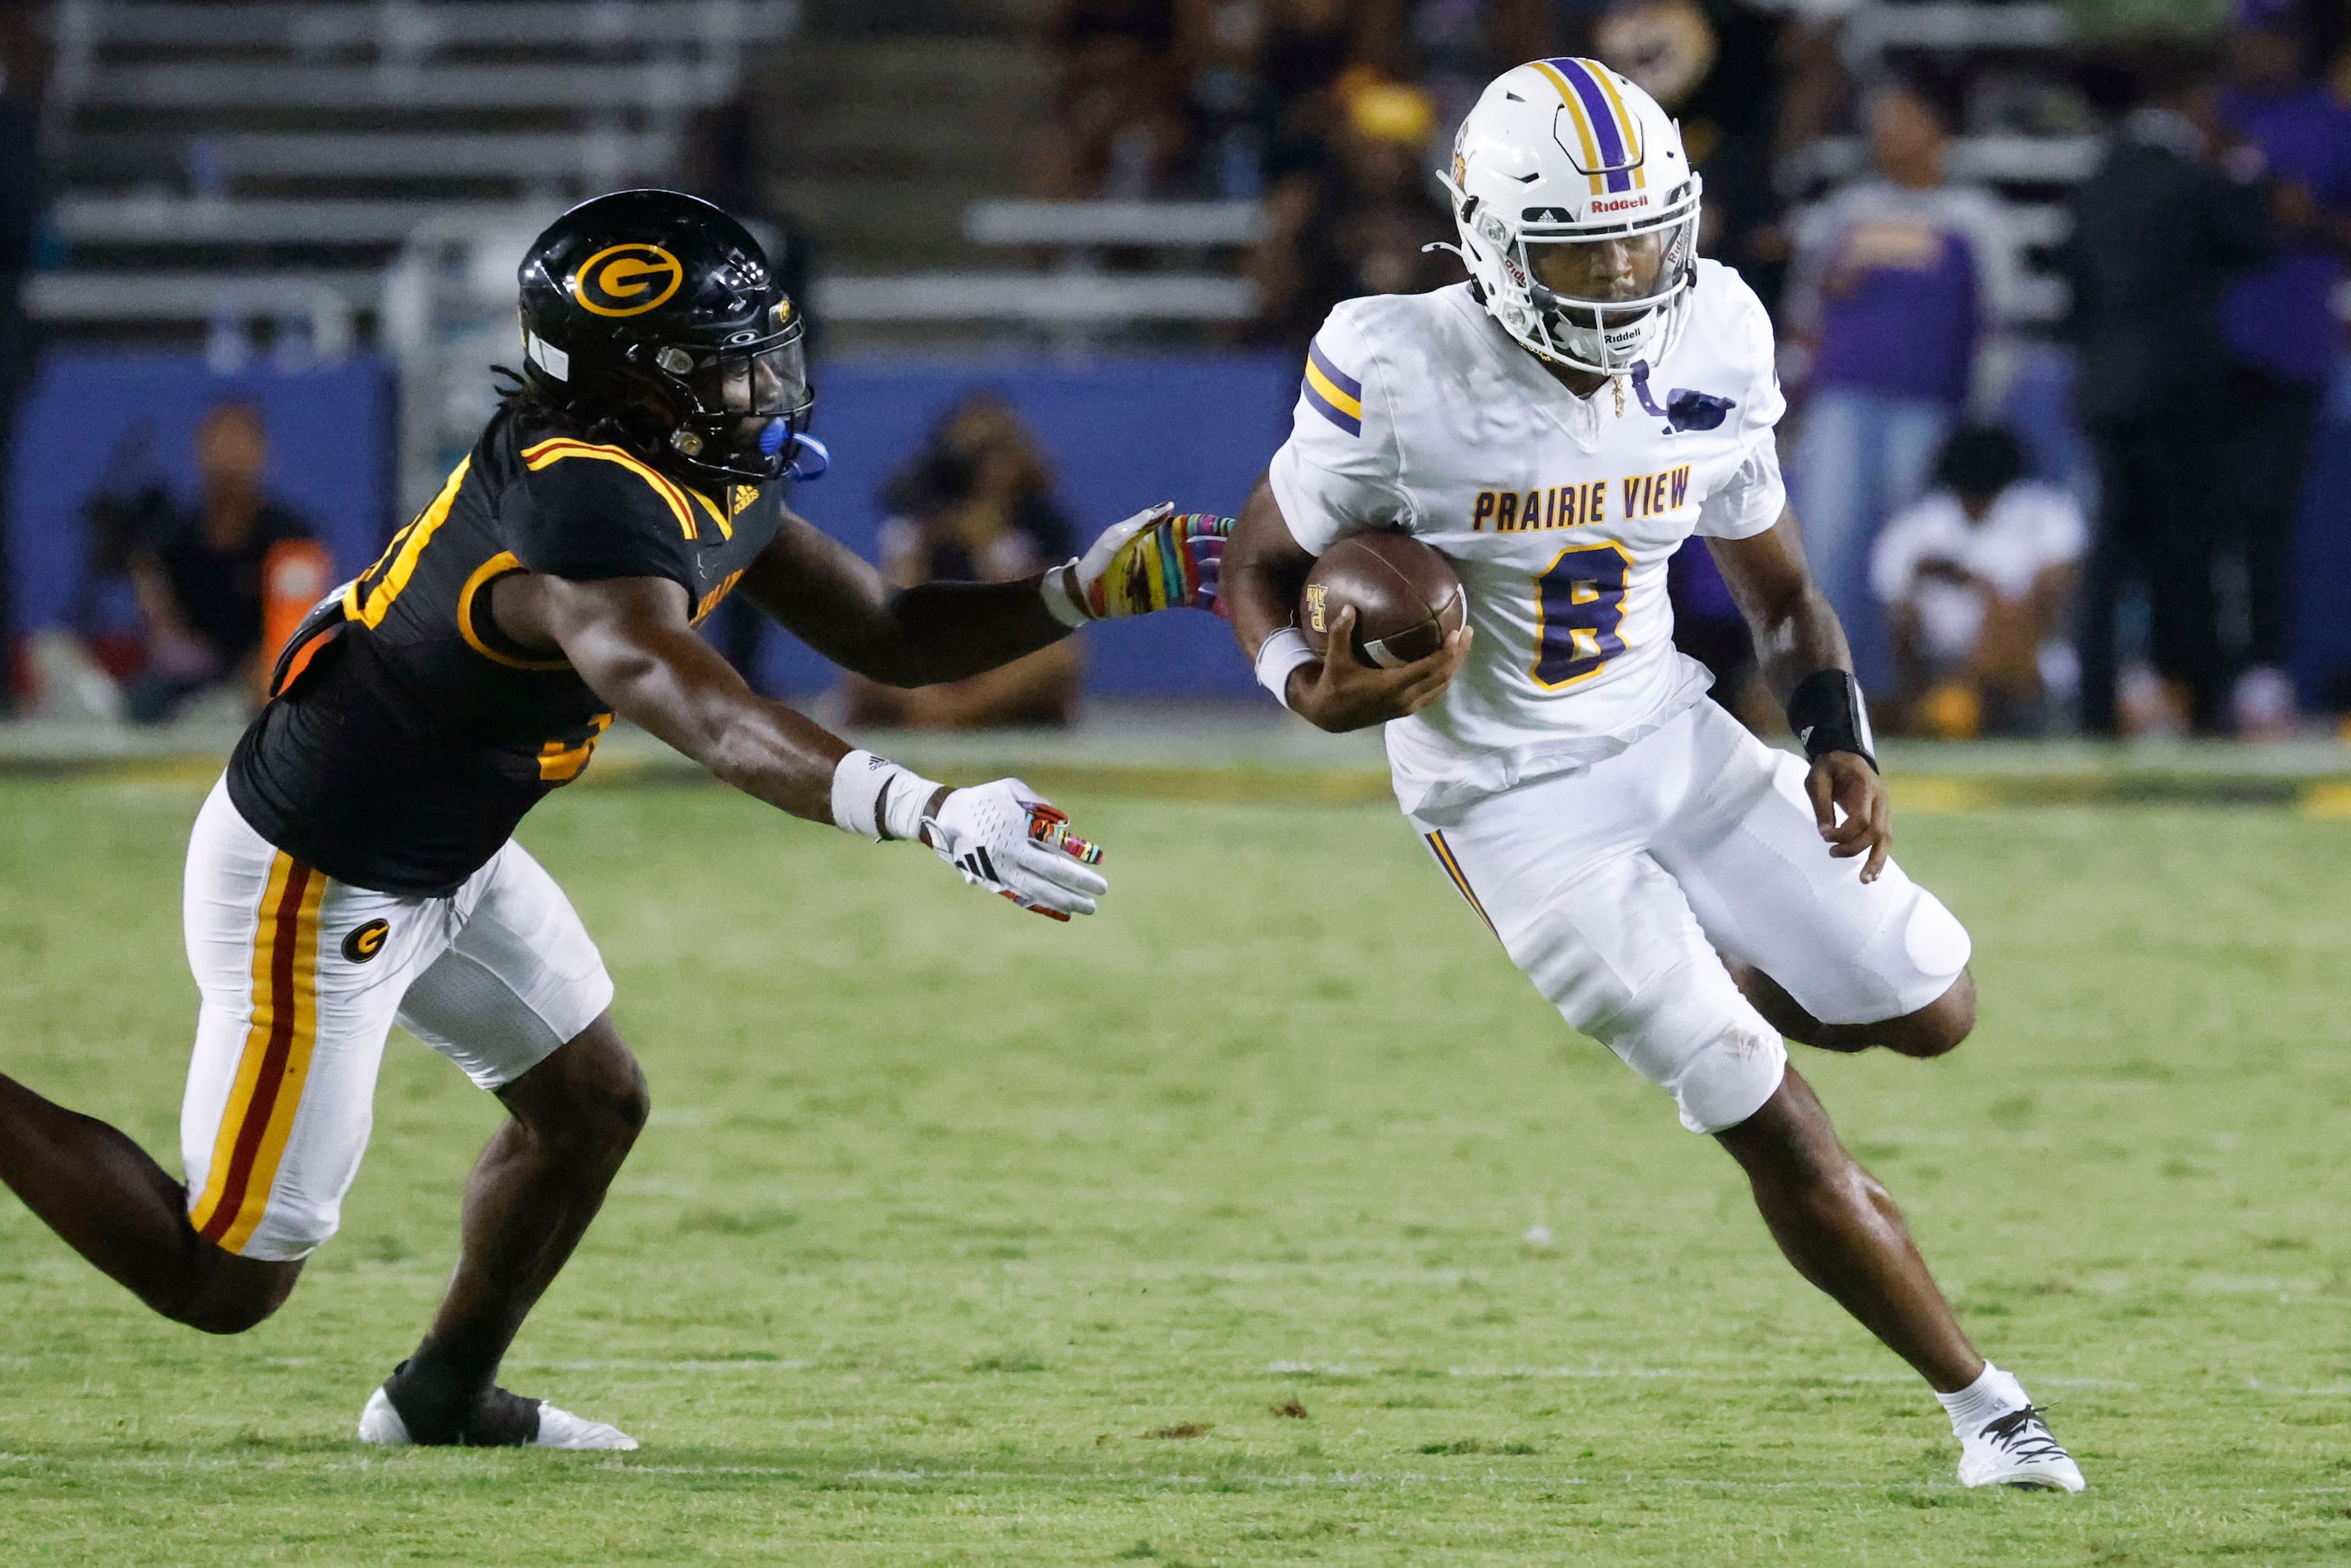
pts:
[276, 1060]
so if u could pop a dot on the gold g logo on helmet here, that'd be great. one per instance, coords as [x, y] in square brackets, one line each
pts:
[626, 279]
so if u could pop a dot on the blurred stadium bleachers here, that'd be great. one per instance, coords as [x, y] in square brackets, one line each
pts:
[216, 164]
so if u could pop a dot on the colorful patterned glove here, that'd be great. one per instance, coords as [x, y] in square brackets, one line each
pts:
[1156, 559]
[1002, 837]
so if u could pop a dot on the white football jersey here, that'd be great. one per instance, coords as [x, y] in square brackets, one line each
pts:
[1419, 413]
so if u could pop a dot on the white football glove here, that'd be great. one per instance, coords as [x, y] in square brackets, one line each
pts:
[1002, 837]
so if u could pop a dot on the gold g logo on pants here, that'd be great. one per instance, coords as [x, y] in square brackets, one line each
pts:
[366, 941]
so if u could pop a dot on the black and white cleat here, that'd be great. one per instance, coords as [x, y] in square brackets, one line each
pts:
[518, 1422]
[2018, 1451]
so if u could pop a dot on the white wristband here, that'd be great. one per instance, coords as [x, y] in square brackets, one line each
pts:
[875, 797]
[1278, 655]
[1059, 603]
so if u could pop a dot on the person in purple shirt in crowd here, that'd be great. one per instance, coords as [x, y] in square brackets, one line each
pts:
[1898, 280]
[2282, 334]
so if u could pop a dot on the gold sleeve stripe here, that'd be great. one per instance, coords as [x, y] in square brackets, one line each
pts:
[370, 609]
[276, 1062]
[502, 562]
[717, 514]
[1336, 395]
[559, 448]
[1444, 852]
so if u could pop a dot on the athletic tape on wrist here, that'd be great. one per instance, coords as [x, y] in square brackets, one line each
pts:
[1058, 603]
[874, 796]
[904, 809]
[1277, 657]
[1828, 714]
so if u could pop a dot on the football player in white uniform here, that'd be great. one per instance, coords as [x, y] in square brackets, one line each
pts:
[1558, 426]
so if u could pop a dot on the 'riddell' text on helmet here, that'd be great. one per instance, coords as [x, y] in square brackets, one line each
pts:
[653, 316]
[1567, 152]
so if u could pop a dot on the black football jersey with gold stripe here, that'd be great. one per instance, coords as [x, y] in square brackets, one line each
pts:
[406, 750]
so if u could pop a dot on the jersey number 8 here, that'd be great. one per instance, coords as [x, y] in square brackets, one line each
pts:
[1579, 614]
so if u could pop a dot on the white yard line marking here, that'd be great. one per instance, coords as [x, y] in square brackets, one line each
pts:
[748, 1363]
[1643, 1373]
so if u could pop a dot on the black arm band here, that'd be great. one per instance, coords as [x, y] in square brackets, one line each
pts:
[1827, 714]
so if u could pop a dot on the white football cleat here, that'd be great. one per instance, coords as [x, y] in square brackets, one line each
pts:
[557, 1428]
[562, 1430]
[2018, 1451]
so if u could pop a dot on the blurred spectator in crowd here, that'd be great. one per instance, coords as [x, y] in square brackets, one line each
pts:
[102, 628]
[974, 504]
[1459, 46]
[20, 211]
[1222, 45]
[1118, 126]
[1357, 217]
[201, 576]
[1203, 98]
[2282, 334]
[1745, 78]
[1897, 281]
[76, 667]
[1259, 72]
[2158, 234]
[1976, 579]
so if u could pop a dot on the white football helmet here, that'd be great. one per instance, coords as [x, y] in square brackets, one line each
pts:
[1566, 152]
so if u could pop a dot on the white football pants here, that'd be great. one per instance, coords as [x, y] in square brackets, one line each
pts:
[1614, 888]
[302, 977]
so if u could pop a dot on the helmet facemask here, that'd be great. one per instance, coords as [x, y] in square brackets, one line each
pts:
[727, 402]
[1603, 329]
[1599, 334]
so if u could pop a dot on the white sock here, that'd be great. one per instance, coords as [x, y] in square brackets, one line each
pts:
[1984, 1401]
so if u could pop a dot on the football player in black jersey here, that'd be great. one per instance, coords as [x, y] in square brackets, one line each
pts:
[355, 866]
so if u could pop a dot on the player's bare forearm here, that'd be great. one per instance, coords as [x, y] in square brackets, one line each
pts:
[828, 596]
[1796, 630]
[629, 640]
[1264, 568]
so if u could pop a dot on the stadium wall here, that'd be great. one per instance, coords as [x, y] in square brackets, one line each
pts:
[1124, 433]
[123, 420]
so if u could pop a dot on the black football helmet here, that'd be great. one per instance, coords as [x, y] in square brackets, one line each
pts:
[654, 314]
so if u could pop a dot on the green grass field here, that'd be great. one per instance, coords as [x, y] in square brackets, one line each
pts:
[1198, 1233]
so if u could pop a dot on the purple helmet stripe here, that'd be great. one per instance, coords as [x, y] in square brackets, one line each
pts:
[1613, 157]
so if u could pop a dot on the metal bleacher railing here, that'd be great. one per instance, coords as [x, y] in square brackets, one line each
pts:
[228, 163]
[1075, 300]
[327, 167]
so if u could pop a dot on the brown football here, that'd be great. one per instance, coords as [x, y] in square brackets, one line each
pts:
[1406, 597]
